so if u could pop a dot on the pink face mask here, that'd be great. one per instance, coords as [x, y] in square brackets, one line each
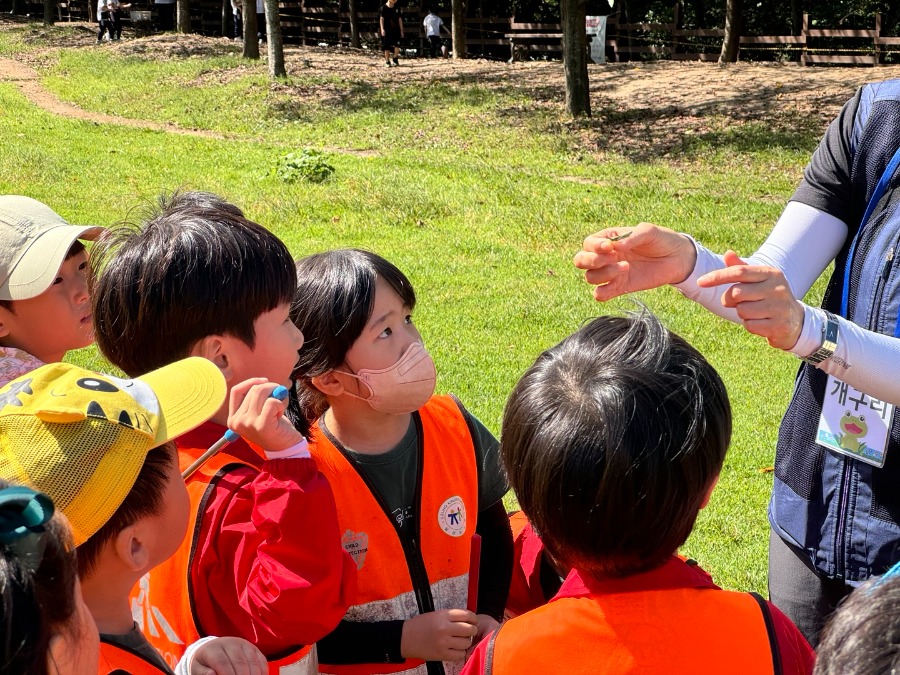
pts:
[403, 387]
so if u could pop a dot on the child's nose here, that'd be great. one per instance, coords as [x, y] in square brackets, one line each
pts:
[80, 290]
[298, 338]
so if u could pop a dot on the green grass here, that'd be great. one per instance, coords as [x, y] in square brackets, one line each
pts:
[469, 191]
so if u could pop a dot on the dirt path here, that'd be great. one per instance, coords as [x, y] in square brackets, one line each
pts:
[641, 110]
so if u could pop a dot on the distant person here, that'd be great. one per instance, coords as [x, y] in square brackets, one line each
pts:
[613, 442]
[390, 23]
[863, 636]
[166, 12]
[433, 25]
[260, 21]
[237, 9]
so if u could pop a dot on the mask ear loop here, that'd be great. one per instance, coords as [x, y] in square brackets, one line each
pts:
[23, 515]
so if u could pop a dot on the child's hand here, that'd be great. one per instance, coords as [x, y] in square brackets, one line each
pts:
[228, 656]
[259, 418]
[486, 625]
[443, 635]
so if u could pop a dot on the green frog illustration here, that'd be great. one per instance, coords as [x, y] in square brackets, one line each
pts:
[854, 429]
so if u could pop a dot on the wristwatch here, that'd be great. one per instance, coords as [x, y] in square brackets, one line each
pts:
[829, 341]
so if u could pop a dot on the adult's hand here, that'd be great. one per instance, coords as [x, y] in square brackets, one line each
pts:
[762, 298]
[650, 256]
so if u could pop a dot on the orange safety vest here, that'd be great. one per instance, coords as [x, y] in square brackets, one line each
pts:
[400, 579]
[681, 630]
[116, 660]
[162, 603]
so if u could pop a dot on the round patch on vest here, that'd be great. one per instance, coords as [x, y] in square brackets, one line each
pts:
[452, 516]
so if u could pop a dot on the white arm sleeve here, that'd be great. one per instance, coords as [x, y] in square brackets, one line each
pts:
[802, 244]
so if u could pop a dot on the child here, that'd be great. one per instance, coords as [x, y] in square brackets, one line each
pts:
[47, 630]
[863, 636]
[99, 447]
[44, 304]
[414, 475]
[264, 560]
[613, 441]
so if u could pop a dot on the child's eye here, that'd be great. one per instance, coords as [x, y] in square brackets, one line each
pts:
[83, 266]
[387, 332]
[408, 318]
[57, 280]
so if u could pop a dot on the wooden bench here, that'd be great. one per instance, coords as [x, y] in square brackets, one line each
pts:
[534, 36]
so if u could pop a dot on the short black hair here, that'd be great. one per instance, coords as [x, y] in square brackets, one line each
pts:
[76, 248]
[195, 267]
[35, 602]
[332, 304]
[863, 636]
[612, 439]
[144, 500]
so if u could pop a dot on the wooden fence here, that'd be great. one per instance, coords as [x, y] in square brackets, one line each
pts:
[312, 22]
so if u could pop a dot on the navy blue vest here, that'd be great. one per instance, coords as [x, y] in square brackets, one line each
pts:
[843, 513]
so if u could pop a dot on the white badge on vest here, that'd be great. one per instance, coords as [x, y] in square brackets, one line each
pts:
[854, 424]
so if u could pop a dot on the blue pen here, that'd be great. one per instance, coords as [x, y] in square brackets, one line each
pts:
[279, 392]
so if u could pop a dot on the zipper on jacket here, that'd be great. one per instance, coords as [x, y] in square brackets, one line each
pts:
[415, 564]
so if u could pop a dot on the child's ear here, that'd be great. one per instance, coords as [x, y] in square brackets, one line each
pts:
[215, 348]
[132, 549]
[709, 491]
[328, 384]
[4, 322]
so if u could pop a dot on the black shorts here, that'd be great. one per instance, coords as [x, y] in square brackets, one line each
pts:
[389, 42]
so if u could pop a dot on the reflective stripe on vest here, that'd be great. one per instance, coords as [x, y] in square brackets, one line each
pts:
[686, 630]
[116, 659]
[163, 602]
[445, 516]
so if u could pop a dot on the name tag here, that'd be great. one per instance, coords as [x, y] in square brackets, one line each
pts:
[854, 424]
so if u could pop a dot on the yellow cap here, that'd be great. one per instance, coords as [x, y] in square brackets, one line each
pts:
[82, 437]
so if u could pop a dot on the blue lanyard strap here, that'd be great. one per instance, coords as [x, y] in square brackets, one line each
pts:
[873, 202]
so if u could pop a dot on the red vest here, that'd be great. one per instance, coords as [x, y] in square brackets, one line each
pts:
[162, 602]
[525, 591]
[436, 562]
[677, 629]
[115, 659]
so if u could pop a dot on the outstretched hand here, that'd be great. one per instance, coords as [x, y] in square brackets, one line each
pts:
[648, 257]
[762, 298]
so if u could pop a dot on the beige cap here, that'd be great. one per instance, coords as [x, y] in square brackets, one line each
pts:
[34, 241]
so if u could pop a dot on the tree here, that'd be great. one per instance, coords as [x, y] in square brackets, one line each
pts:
[731, 44]
[274, 41]
[49, 10]
[353, 10]
[251, 43]
[183, 16]
[458, 28]
[575, 56]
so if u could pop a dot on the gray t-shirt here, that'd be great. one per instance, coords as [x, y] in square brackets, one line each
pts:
[393, 473]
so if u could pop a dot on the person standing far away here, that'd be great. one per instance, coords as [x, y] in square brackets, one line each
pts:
[433, 24]
[390, 24]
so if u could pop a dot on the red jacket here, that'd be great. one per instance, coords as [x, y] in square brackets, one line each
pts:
[525, 591]
[671, 619]
[268, 565]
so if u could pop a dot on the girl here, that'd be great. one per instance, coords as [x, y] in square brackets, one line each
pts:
[46, 627]
[414, 475]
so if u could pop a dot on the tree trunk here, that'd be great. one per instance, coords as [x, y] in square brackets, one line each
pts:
[574, 41]
[274, 41]
[183, 20]
[796, 16]
[731, 44]
[251, 41]
[49, 12]
[353, 11]
[458, 28]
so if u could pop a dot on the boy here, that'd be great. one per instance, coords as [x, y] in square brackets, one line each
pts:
[99, 447]
[265, 560]
[433, 25]
[390, 25]
[44, 304]
[613, 441]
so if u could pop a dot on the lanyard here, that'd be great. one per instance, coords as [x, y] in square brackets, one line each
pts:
[873, 202]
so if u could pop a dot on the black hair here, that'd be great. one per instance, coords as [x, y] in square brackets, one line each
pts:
[611, 441]
[144, 500]
[863, 636]
[35, 602]
[76, 248]
[333, 302]
[196, 267]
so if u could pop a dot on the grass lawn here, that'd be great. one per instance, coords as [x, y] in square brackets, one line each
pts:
[482, 196]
